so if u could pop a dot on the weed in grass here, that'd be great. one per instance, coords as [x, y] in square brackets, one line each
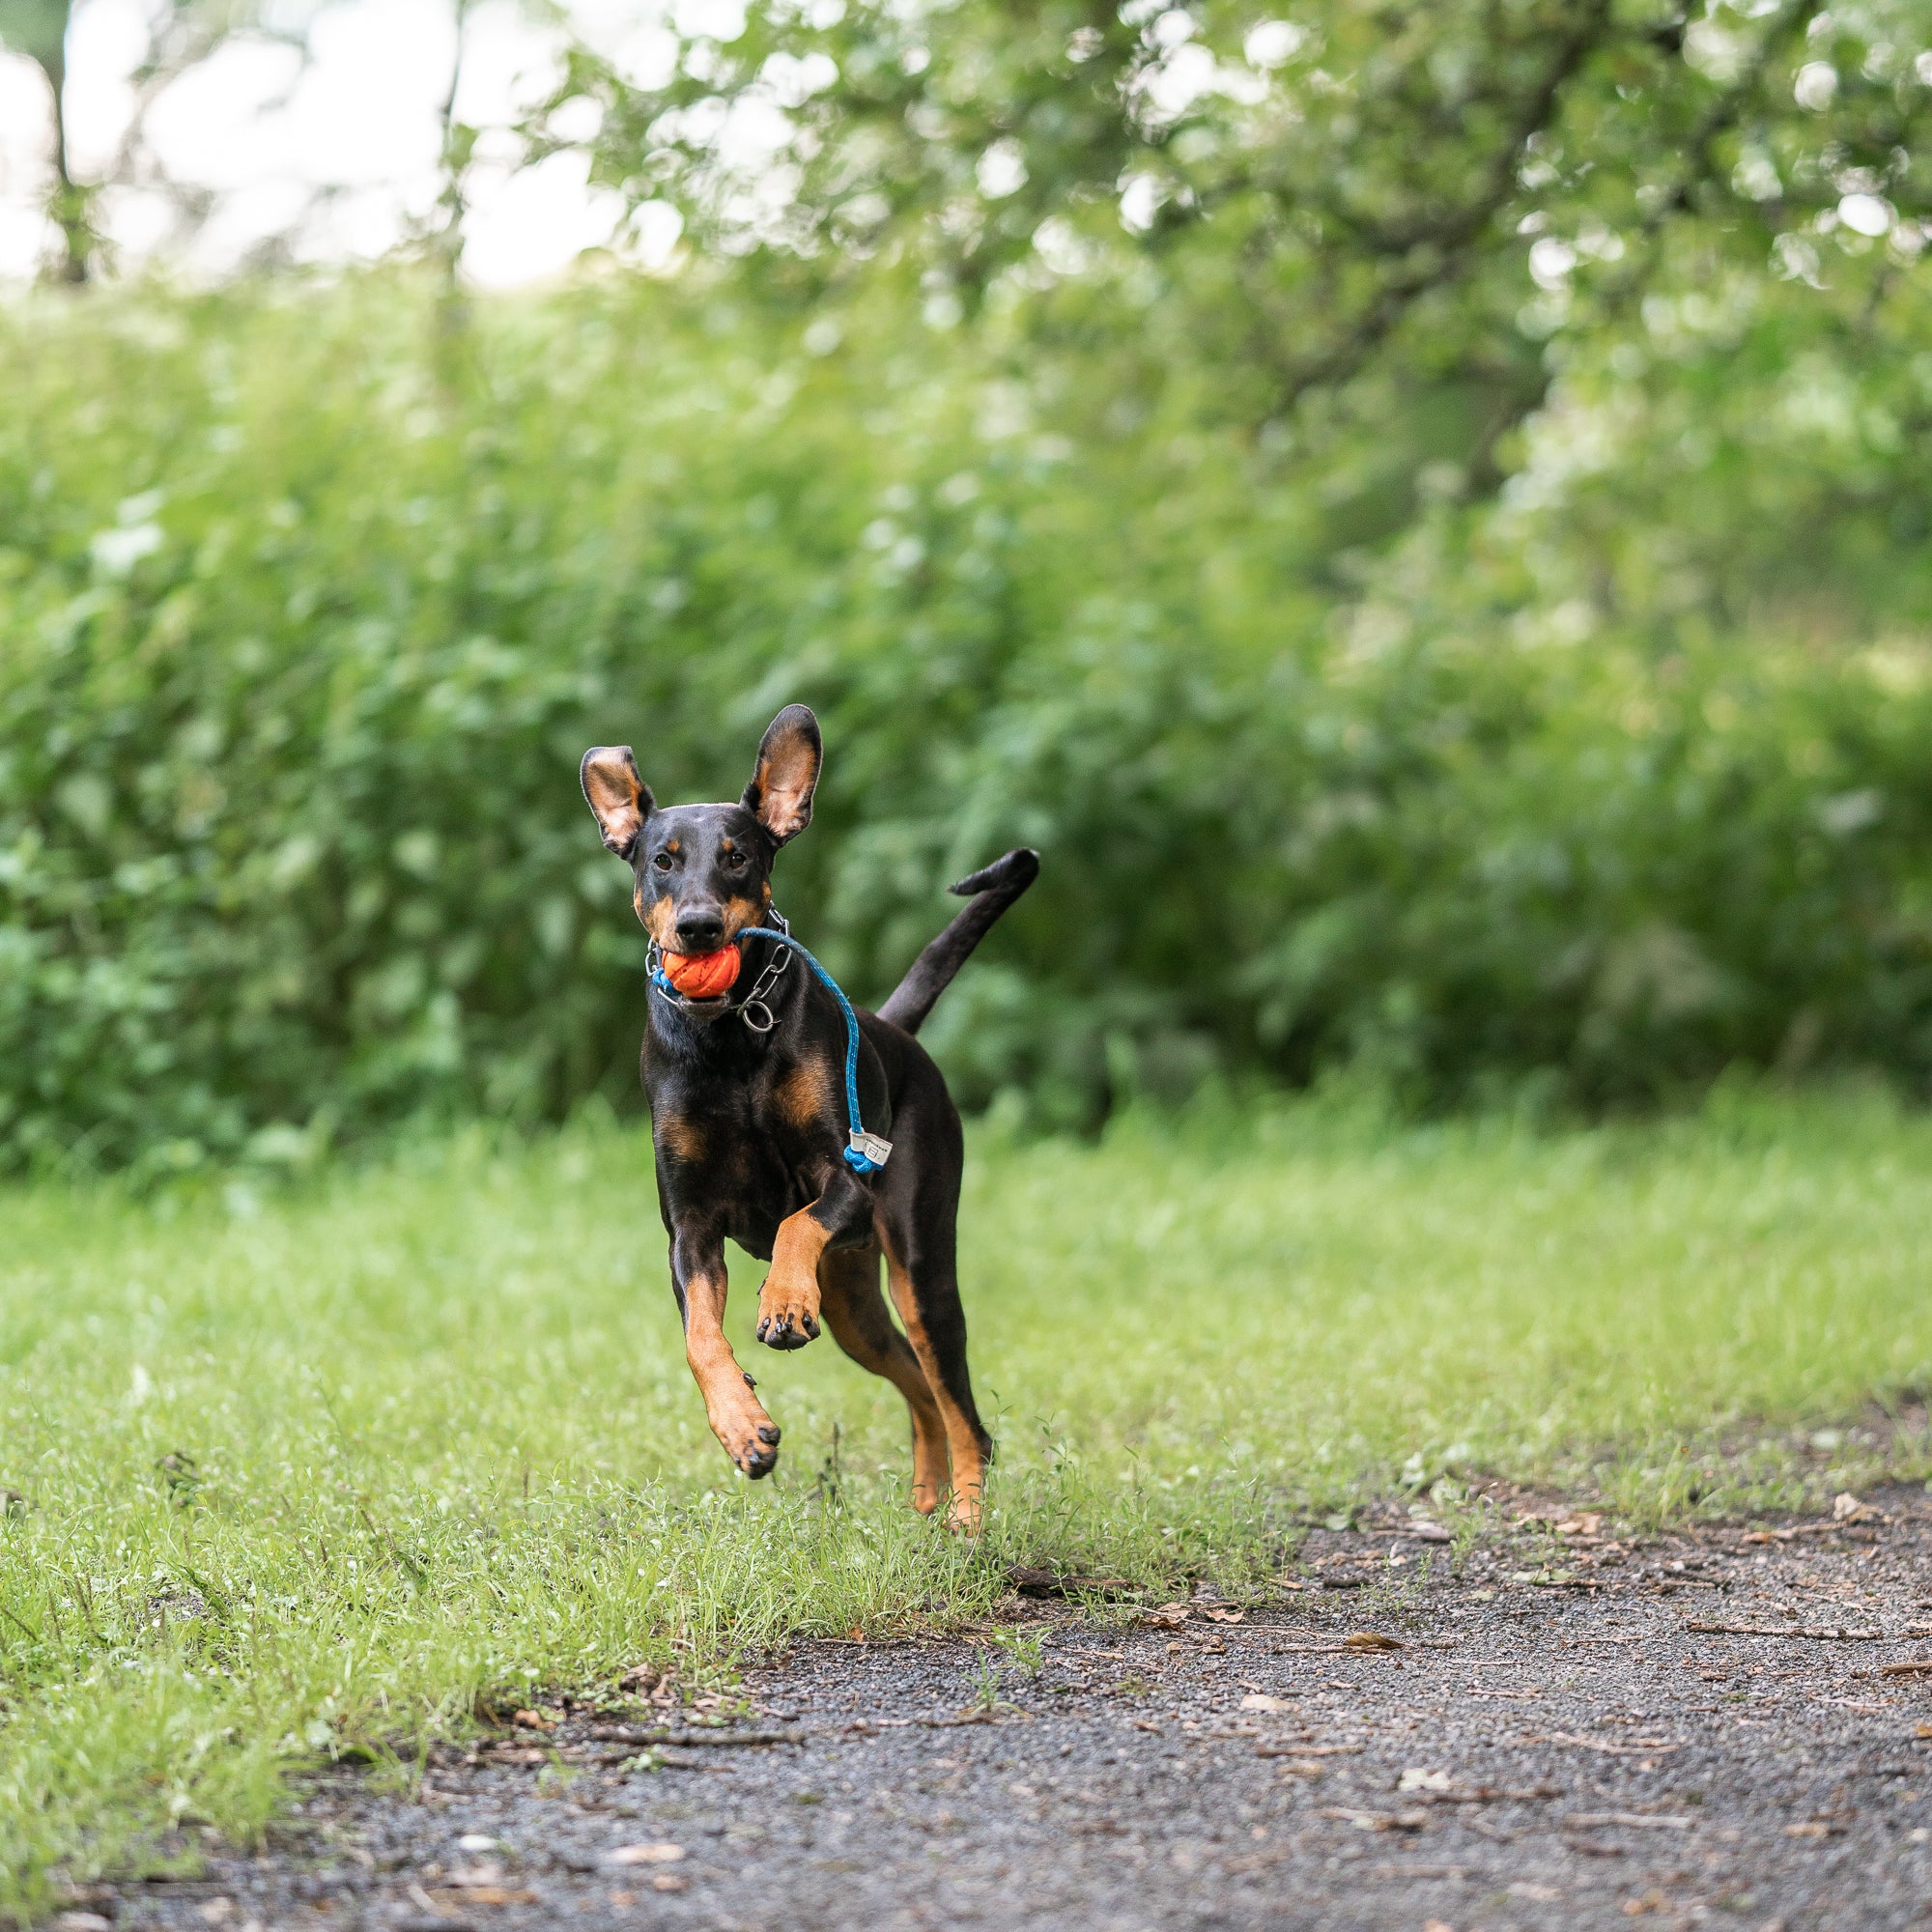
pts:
[986, 1675]
[1026, 1648]
[434, 1441]
[1396, 1594]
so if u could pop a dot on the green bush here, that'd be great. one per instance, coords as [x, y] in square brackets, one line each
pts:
[302, 632]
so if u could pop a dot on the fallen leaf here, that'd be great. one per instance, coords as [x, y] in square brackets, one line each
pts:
[670, 1881]
[1371, 1640]
[534, 1720]
[1376, 1821]
[1169, 1616]
[1222, 1616]
[1639, 1819]
[1260, 1700]
[1650, 1901]
[645, 1854]
[1813, 1827]
[1640, 1746]
[1585, 1523]
[1923, 1731]
[1415, 1779]
[1847, 1508]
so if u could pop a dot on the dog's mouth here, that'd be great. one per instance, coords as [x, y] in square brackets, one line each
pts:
[704, 977]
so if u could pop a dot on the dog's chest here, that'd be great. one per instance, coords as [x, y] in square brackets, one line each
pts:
[745, 1152]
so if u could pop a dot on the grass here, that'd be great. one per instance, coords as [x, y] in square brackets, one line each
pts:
[306, 1469]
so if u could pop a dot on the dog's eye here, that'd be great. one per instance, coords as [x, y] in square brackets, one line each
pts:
[661, 862]
[735, 861]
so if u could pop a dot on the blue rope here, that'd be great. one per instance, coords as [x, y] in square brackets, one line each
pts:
[856, 1159]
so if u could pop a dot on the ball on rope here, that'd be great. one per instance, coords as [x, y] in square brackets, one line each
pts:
[703, 975]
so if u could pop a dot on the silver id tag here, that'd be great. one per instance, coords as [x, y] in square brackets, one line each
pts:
[878, 1151]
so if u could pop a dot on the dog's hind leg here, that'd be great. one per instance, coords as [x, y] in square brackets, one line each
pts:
[925, 1291]
[855, 1311]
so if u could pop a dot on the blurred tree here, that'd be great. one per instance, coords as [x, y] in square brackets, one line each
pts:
[1279, 203]
[442, 236]
[37, 29]
[181, 35]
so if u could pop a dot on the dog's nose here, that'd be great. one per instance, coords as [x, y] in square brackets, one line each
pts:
[700, 931]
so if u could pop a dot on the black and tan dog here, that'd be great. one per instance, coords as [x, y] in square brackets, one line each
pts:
[748, 1119]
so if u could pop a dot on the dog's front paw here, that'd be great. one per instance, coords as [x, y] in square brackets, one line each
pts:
[786, 1320]
[787, 1330]
[744, 1430]
[761, 1456]
[755, 1451]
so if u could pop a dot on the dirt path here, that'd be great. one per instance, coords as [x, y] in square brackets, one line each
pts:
[1557, 1741]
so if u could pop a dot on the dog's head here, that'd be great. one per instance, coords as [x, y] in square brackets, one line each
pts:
[703, 871]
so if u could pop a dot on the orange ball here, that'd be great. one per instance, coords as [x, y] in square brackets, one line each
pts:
[703, 975]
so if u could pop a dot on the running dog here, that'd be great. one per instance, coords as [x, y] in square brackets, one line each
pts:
[755, 1135]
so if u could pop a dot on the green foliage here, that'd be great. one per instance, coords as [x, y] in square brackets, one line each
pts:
[304, 635]
[297, 1473]
[1288, 197]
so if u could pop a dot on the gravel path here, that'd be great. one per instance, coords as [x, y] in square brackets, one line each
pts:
[1560, 1739]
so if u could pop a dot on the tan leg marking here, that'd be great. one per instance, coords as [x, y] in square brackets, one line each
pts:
[788, 1302]
[738, 1417]
[969, 1466]
[856, 1316]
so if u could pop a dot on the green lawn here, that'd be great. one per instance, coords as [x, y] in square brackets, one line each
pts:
[294, 1470]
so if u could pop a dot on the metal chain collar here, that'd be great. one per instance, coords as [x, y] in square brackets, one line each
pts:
[753, 1008]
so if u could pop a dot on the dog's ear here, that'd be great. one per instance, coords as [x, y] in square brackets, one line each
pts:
[621, 800]
[780, 794]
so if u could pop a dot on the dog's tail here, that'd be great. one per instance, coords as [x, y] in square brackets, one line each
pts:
[992, 891]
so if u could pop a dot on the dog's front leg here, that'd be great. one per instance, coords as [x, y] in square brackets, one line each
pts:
[788, 1302]
[738, 1417]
